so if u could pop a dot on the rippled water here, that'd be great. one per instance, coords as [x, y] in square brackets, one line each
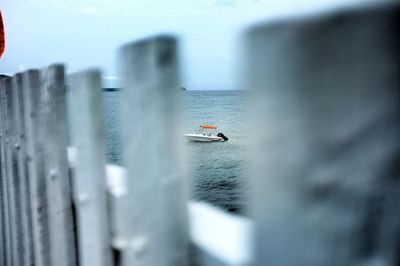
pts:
[216, 169]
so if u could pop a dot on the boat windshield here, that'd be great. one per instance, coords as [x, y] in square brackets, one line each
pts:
[207, 130]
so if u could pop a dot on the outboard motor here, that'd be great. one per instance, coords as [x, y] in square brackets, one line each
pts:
[222, 136]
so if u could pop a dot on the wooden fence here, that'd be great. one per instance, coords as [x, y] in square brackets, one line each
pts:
[324, 176]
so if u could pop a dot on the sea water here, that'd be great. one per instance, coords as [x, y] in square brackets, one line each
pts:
[216, 170]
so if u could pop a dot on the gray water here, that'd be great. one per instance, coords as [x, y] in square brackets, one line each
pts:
[216, 169]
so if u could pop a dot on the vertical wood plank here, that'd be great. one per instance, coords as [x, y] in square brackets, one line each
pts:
[20, 149]
[89, 179]
[326, 143]
[53, 121]
[13, 186]
[3, 207]
[152, 154]
[6, 214]
[35, 168]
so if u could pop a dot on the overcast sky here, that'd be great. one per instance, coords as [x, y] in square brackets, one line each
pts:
[87, 33]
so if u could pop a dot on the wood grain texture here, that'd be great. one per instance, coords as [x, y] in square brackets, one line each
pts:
[6, 213]
[35, 167]
[23, 179]
[13, 185]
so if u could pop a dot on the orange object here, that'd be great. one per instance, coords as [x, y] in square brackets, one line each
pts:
[208, 126]
[2, 36]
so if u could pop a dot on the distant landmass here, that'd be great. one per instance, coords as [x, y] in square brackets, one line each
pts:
[111, 89]
[118, 89]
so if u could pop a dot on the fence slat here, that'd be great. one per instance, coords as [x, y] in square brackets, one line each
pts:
[35, 167]
[6, 212]
[326, 117]
[2, 205]
[13, 185]
[58, 191]
[20, 147]
[152, 153]
[89, 179]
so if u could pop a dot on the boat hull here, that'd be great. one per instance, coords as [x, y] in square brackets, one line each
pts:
[202, 138]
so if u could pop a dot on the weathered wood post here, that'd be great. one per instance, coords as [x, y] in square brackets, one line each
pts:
[89, 179]
[35, 159]
[326, 111]
[13, 186]
[2, 205]
[152, 153]
[3, 208]
[6, 204]
[53, 121]
[20, 148]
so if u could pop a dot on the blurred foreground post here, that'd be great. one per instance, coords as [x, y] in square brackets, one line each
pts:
[89, 181]
[326, 111]
[152, 152]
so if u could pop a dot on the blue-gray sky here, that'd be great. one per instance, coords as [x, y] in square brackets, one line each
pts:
[87, 33]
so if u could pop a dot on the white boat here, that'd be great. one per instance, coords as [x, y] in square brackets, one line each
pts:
[206, 134]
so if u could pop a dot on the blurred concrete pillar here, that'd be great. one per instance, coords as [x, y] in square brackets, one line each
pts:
[326, 124]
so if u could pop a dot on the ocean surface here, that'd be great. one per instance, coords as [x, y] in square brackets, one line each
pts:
[216, 170]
